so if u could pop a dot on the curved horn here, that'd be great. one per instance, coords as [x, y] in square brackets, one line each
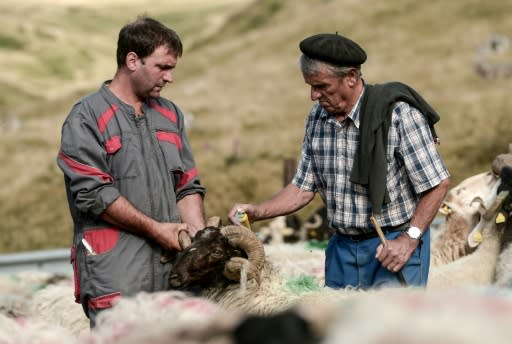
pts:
[314, 225]
[184, 238]
[213, 221]
[306, 226]
[245, 239]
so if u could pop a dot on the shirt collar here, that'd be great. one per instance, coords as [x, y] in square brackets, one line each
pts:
[354, 114]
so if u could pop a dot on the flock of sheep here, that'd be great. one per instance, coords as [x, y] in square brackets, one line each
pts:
[468, 298]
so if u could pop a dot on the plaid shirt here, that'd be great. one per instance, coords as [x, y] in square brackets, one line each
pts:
[328, 151]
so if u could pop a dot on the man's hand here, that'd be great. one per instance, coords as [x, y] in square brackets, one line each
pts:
[397, 252]
[123, 214]
[249, 209]
[166, 234]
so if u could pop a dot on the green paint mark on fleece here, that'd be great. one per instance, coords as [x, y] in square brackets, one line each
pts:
[317, 244]
[302, 284]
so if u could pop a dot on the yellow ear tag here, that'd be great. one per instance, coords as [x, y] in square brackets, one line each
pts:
[445, 210]
[500, 218]
[475, 239]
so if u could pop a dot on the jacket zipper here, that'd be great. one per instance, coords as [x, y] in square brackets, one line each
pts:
[138, 123]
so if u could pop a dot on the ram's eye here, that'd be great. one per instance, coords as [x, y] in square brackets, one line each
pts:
[217, 253]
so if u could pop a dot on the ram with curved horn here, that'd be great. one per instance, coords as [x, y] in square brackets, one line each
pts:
[228, 266]
[216, 256]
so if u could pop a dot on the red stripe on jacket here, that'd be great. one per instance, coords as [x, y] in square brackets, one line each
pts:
[106, 117]
[82, 169]
[167, 113]
[104, 301]
[186, 177]
[170, 137]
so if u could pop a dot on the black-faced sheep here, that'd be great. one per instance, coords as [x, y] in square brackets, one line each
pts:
[206, 261]
[254, 284]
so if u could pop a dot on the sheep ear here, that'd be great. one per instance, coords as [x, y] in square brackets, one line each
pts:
[502, 160]
[184, 238]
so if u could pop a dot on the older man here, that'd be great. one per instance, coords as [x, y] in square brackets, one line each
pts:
[369, 151]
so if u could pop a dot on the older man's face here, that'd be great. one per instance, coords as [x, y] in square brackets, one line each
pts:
[335, 95]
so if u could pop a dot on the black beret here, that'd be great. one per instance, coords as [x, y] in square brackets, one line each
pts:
[333, 48]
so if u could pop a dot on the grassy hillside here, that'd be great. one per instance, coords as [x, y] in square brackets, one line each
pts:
[239, 81]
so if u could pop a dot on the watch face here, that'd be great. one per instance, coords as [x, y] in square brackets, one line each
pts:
[414, 232]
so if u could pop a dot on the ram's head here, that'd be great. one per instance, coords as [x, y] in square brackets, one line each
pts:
[216, 256]
[466, 204]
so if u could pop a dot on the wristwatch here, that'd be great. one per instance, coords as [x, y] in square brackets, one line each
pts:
[414, 233]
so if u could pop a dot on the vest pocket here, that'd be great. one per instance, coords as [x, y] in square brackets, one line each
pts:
[171, 147]
[122, 156]
[101, 240]
[103, 301]
[117, 262]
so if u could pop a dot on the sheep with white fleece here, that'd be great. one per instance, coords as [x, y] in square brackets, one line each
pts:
[162, 317]
[297, 259]
[462, 315]
[56, 304]
[410, 315]
[476, 269]
[285, 262]
[29, 330]
[470, 223]
[25, 283]
[463, 207]
[17, 290]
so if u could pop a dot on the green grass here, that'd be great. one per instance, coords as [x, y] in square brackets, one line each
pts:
[35, 218]
[10, 43]
[239, 77]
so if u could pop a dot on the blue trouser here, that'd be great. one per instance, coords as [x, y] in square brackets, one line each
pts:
[353, 263]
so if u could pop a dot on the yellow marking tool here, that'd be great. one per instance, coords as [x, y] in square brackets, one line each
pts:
[242, 217]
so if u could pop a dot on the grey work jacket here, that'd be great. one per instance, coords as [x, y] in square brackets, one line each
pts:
[106, 151]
